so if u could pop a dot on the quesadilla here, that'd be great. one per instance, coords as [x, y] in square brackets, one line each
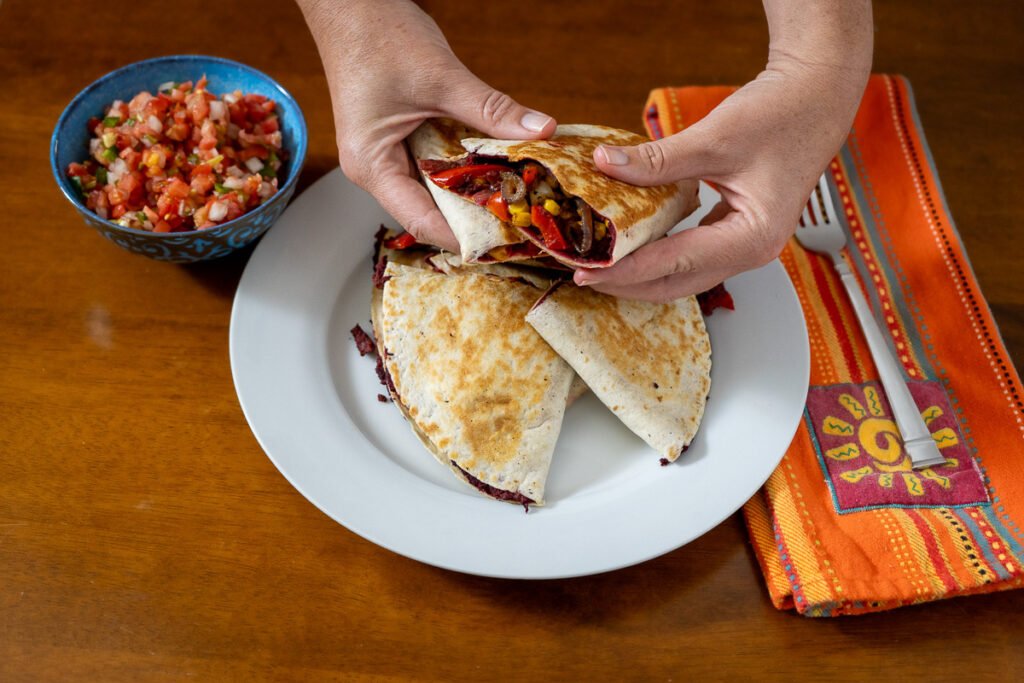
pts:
[499, 192]
[481, 389]
[650, 364]
[435, 146]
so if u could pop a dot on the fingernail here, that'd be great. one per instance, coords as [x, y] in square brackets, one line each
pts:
[583, 278]
[613, 155]
[535, 121]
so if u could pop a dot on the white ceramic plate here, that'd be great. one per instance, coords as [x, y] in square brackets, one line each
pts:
[311, 401]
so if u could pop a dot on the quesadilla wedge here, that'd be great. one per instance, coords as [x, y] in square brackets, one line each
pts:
[650, 364]
[480, 387]
[391, 247]
[551, 193]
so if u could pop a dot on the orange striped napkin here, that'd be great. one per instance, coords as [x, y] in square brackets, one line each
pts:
[844, 525]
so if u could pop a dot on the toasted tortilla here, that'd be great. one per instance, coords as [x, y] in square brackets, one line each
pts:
[480, 233]
[540, 274]
[481, 388]
[650, 364]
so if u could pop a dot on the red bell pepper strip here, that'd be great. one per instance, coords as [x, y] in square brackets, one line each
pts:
[498, 206]
[403, 241]
[455, 178]
[530, 174]
[549, 231]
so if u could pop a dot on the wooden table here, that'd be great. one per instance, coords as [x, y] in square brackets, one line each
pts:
[145, 535]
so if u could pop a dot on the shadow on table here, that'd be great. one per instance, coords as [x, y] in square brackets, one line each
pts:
[677, 578]
[221, 276]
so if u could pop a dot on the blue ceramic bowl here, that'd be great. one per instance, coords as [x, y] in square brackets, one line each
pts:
[70, 142]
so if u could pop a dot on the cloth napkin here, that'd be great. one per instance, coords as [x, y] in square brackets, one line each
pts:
[844, 526]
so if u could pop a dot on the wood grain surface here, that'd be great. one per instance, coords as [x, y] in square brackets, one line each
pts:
[144, 535]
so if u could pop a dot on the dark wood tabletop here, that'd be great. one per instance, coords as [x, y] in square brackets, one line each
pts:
[145, 535]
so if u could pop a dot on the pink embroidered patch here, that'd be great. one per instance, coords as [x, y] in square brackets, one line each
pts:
[861, 452]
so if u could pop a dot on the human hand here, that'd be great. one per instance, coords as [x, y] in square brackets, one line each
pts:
[764, 147]
[389, 68]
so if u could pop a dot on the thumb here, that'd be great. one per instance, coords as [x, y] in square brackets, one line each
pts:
[494, 113]
[687, 154]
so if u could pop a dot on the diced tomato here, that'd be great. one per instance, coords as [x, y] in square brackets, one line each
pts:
[455, 178]
[498, 206]
[269, 126]
[178, 132]
[258, 151]
[76, 169]
[202, 183]
[118, 210]
[131, 185]
[198, 107]
[403, 241]
[162, 226]
[177, 189]
[549, 231]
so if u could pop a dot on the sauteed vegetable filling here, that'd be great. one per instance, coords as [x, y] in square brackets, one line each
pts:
[527, 196]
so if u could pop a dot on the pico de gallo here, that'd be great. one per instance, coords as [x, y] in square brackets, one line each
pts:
[183, 159]
[527, 196]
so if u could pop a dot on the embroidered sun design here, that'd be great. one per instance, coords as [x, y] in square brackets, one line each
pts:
[873, 434]
[862, 455]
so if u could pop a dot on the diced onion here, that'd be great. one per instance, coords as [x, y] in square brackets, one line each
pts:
[164, 87]
[154, 124]
[218, 110]
[218, 210]
[233, 183]
[255, 165]
[118, 168]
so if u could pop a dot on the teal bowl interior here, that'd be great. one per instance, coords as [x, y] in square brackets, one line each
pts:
[70, 142]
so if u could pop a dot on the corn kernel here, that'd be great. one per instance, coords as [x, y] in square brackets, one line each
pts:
[521, 220]
[552, 207]
[519, 207]
[600, 229]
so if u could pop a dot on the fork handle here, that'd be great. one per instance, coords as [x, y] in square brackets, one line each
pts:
[908, 417]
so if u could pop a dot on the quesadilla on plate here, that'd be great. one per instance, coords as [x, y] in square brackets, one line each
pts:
[650, 364]
[499, 192]
[481, 389]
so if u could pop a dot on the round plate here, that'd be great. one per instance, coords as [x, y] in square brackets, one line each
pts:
[311, 401]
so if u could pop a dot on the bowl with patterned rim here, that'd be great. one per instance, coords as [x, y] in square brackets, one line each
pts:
[70, 143]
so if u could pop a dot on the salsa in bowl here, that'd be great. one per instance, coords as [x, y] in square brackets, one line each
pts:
[181, 158]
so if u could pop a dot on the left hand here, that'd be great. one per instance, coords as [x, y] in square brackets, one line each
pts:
[765, 148]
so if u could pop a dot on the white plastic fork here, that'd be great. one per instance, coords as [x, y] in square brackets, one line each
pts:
[819, 231]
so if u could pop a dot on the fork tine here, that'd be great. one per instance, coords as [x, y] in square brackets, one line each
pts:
[815, 203]
[830, 210]
[805, 218]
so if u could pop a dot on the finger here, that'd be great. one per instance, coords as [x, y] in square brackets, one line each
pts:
[493, 112]
[410, 204]
[730, 245]
[689, 154]
[667, 288]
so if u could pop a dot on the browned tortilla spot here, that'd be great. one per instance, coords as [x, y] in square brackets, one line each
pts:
[572, 162]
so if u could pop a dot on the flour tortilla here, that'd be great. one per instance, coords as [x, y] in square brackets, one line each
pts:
[650, 364]
[478, 230]
[637, 215]
[479, 385]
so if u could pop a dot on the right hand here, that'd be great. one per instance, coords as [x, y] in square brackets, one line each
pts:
[390, 68]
